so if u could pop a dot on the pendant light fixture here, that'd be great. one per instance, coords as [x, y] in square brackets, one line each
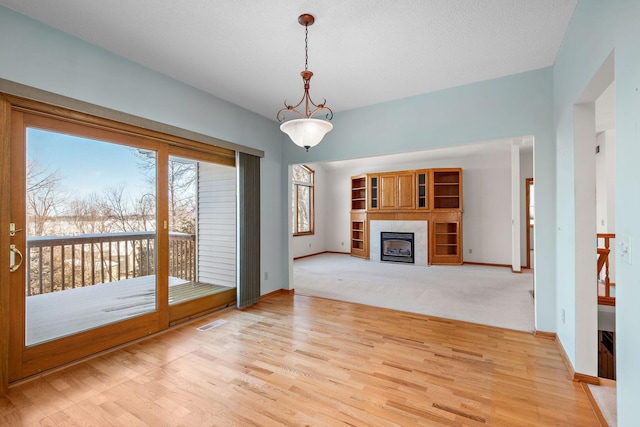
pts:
[306, 131]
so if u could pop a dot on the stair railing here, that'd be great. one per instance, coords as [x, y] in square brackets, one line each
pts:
[603, 262]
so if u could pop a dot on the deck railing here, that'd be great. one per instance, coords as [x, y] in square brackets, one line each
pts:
[56, 263]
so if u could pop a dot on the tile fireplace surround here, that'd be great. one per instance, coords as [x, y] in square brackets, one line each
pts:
[420, 241]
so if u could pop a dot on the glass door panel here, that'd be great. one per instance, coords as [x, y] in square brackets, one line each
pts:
[202, 235]
[90, 234]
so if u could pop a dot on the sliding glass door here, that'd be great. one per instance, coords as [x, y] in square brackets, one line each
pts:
[202, 235]
[90, 257]
[84, 253]
[116, 233]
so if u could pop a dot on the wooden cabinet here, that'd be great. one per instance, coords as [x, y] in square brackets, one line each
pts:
[359, 246]
[397, 190]
[447, 189]
[433, 195]
[387, 191]
[358, 193]
[406, 191]
[422, 189]
[373, 191]
[445, 238]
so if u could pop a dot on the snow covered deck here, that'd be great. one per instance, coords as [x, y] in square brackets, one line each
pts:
[58, 314]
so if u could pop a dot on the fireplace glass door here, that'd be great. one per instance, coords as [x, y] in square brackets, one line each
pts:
[397, 247]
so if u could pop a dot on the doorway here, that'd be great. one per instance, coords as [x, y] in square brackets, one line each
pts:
[106, 227]
[587, 127]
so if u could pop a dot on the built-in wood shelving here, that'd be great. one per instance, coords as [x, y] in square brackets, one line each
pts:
[359, 193]
[358, 239]
[433, 195]
[446, 189]
[357, 234]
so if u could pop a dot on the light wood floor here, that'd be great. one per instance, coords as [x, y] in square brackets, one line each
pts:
[310, 361]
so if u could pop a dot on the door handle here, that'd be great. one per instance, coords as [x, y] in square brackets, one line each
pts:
[12, 229]
[13, 251]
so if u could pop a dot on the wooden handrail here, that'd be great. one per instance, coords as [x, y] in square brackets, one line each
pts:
[606, 235]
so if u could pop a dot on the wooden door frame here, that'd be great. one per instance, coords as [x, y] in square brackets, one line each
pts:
[5, 186]
[161, 141]
[25, 360]
[527, 185]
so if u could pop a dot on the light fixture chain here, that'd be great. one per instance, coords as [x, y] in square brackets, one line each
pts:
[306, 47]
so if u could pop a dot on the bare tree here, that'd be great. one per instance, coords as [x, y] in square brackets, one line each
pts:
[182, 204]
[87, 216]
[43, 196]
[146, 211]
[182, 181]
[115, 208]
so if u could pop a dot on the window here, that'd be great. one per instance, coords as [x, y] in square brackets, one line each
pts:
[302, 180]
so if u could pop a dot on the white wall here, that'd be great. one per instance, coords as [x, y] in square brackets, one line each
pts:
[339, 196]
[315, 243]
[486, 202]
[606, 193]
[610, 153]
[602, 211]
[487, 211]
[606, 182]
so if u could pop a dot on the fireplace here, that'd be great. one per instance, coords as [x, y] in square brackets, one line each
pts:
[396, 247]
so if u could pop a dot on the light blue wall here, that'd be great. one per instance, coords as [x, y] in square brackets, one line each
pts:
[39, 56]
[597, 28]
[588, 42]
[628, 208]
[508, 107]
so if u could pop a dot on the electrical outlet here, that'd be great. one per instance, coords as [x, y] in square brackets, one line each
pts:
[309, 244]
[342, 243]
[266, 275]
[470, 250]
[563, 316]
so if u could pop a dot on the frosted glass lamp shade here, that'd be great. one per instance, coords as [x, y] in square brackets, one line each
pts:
[306, 133]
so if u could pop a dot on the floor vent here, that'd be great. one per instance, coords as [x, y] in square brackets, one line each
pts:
[212, 325]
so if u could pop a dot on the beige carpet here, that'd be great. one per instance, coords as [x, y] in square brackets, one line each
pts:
[605, 396]
[480, 294]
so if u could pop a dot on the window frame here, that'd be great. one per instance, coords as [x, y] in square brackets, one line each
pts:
[311, 186]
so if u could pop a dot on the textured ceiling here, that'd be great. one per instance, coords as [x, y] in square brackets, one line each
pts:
[361, 52]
